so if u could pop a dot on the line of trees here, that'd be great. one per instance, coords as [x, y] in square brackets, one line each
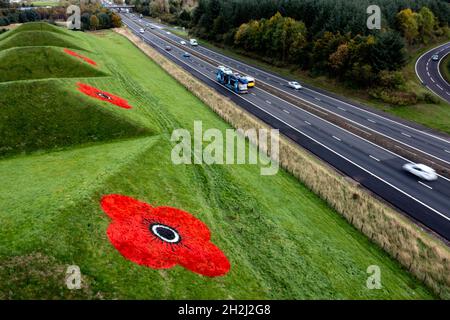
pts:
[93, 16]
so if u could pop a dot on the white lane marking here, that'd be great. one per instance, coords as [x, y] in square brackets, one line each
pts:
[425, 185]
[253, 94]
[340, 108]
[376, 159]
[428, 74]
[317, 99]
[446, 150]
[377, 146]
[432, 79]
[337, 138]
[286, 111]
[406, 135]
[335, 152]
[370, 120]
[439, 87]
[307, 123]
[353, 106]
[268, 102]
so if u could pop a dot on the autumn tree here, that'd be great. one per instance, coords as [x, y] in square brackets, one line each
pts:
[94, 22]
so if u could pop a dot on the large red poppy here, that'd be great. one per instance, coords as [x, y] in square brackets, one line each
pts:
[77, 55]
[103, 95]
[162, 237]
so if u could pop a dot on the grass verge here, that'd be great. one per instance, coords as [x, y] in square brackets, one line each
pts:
[423, 255]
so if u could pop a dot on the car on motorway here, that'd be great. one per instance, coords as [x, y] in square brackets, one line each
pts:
[435, 57]
[186, 55]
[250, 81]
[168, 32]
[152, 27]
[141, 30]
[420, 170]
[295, 85]
[193, 42]
[168, 48]
[183, 42]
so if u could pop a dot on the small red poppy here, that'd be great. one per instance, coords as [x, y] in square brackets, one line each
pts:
[77, 55]
[162, 237]
[103, 95]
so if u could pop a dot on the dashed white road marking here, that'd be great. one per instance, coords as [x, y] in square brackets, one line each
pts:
[425, 185]
[439, 87]
[406, 135]
[317, 99]
[446, 150]
[338, 139]
[253, 94]
[307, 123]
[370, 120]
[340, 108]
[268, 102]
[432, 79]
[286, 111]
[376, 159]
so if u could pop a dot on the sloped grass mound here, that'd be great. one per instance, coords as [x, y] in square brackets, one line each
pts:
[40, 63]
[35, 26]
[41, 115]
[37, 38]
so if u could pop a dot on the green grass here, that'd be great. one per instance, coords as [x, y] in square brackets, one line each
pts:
[35, 26]
[37, 38]
[435, 116]
[445, 68]
[283, 242]
[45, 3]
[40, 63]
[59, 117]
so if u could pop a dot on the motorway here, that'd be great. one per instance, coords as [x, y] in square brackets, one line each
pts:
[429, 74]
[374, 167]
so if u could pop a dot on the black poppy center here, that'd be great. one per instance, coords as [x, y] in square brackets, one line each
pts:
[165, 233]
[104, 96]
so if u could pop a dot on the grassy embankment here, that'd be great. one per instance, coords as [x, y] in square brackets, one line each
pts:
[281, 239]
[435, 116]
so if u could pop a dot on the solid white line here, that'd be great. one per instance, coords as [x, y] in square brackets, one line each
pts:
[376, 159]
[332, 124]
[425, 185]
[353, 106]
[335, 152]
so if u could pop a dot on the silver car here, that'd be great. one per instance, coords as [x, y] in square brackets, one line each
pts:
[422, 171]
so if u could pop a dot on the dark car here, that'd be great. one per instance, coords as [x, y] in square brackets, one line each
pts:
[168, 48]
[186, 54]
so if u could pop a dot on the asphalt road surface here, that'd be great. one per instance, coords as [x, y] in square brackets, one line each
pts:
[374, 167]
[429, 74]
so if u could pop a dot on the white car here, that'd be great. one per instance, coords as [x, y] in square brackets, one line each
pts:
[183, 42]
[193, 42]
[422, 171]
[141, 30]
[294, 85]
[435, 57]
[168, 32]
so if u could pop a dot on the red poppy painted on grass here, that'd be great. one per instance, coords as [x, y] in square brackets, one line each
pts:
[103, 95]
[77, 55]
[162, 237]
